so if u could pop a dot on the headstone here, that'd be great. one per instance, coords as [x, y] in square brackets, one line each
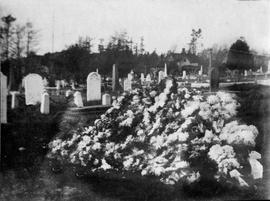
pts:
[68, 93]
[33, 89]
[106, 99]
[93, 87]
[3, 98]
[78, 99]
[165, 70]
[245, 73]
[201, 71]
[45, 82]
[14, 100]
[58, 84]
[214, 79]
[148, 78]
[127, 84]
[142, 78]
[130, 76]
[160, 76]
[63, 83]
[45, 104]
[184, 74]
[115, 79]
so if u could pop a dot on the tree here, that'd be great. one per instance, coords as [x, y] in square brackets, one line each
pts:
[239, 56]
[31, 38]
[195, 36]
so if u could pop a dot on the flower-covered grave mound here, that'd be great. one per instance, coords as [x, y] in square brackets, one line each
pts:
[176, 134]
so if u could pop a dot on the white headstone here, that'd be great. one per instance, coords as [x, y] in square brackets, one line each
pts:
[160, 76]
[68, 93]
[33, 89]
[45, 82]
[142, 78]
[201, 71]
[58, 84]
[165, 70]
[184, 75]
[106, 99]
[78, 99]
[130, 76]
[127, 84]
[93, 86]
[14, 100]
[45, 103]
[3, 98]
[245, 73]
[148, 78]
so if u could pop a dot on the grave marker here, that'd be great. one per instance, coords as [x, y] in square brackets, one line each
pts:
[3, 98]
[115, 79]
[165, 70]
[33, 89]
[160, 76]
[184, 74]
[127, 84]
[106, 99]
[45, 103]
[93, 87]
[14, 100]
[142, 78]
[78, 99]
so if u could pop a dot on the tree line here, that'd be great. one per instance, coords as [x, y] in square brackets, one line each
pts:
[75, 62]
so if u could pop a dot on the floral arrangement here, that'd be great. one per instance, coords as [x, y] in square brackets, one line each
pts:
[170, 132]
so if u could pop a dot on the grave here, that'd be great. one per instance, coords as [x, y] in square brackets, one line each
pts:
[3, 98]
[127, 84]
[106, 99]
[45, 104]
[184, 75]
[94, 87]
[165, 70]
[14, 100]
[142, 78]
[115, 79]
[160, 76]
[33, 89]
[78, 99]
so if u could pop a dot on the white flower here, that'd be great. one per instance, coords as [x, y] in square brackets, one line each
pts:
[190, 107]
[195, 176]
[105, 165]
[96, 146]
[213, 99]
[127, 163]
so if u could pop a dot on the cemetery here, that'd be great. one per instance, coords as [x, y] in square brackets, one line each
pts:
[113, 121]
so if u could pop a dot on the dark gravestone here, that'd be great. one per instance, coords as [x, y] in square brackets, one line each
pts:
[115, 79]
[214, 79]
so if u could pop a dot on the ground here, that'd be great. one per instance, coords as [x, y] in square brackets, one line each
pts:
[27, 174]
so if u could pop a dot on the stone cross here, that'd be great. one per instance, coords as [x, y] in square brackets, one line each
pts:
[3, 98]
[45, 103]
[106, 99]
[93, 87]
[78, 99]
[33, 89]
[14, 100]
[127, 84]
[160, 76]
[115, 78]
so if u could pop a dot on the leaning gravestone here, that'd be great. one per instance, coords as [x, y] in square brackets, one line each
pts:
[93, 87]
[3, 98]
[45, 103]
[214, 79]
[127, 85]
[33, 89]
[106, 99]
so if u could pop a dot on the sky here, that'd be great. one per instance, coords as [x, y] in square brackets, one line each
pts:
[164, 24]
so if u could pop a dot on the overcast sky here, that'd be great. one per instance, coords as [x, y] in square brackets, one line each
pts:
[163, 23]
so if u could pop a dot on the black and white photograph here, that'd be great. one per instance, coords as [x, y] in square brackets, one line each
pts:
[135, 100]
